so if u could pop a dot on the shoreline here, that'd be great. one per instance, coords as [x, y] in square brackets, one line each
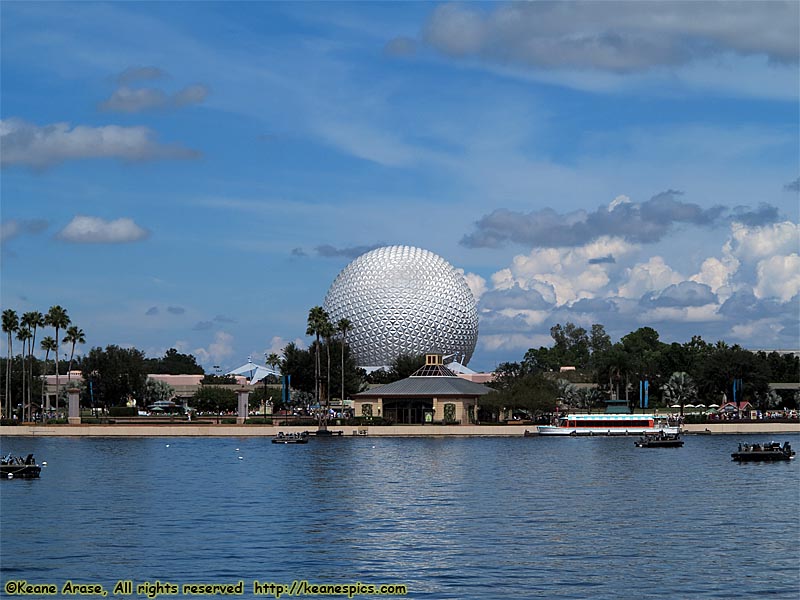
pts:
[727, 428]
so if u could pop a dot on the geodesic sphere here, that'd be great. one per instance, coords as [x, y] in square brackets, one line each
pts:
[404, 300]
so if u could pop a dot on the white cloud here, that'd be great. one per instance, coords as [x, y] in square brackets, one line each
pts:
[655, 274]
[476, 283]
[30, 145]
[563, 275]
[278, 343]
[778, 277]
[717, 274]
[134, 100]
[220, 348]
[615, 36]
[94, 230]
[514, 341]
[14, 227]
[751, 244]
[763, 330]
[693, 314]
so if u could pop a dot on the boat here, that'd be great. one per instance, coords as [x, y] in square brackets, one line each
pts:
[771, 451]
[659, 440]
[608, 424]
[13, 467]
[291, 438]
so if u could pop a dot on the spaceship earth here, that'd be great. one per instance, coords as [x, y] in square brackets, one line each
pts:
[404, 300]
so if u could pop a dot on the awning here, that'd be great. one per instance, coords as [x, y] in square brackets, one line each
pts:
[253, 372]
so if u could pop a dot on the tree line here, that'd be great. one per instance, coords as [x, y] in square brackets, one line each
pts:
[694, 370]
[24, 330]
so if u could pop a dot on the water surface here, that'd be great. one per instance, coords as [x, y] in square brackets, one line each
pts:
[450, 518]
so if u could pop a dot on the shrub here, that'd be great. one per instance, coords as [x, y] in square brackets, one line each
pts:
[123, 411]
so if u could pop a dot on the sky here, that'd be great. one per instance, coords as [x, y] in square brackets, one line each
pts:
[195, 175]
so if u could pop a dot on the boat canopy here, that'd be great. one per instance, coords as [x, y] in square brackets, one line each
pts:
[606, 417]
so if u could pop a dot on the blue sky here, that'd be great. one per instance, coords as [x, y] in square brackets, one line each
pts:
[194, 175]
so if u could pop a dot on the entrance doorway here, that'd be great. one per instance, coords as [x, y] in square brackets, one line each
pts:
[408, 411]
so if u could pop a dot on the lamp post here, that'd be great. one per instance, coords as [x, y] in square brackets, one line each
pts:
[266, 357]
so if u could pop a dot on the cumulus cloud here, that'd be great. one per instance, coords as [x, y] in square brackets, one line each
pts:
[763, 215]
[752, 286]
[329, 251]
[176, 310]
[203, 326]
[278, 343]
[134, 100]
[778, 277]
[224, 319]
[152, 311]
[717, 274]
[514, 297]
[793, 186]
[30, 145]
[219, 349]
[683, 294]
[15, 227]
[475, 283]
[751, 244]
[615, 36]
[642, 223]
[655, 274]
[563, 275]
[299, 252]
[94, 230]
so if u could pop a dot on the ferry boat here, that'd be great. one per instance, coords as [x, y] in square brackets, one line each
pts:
[16, 466]
[608, 424]
[291, 438]
[769, 452]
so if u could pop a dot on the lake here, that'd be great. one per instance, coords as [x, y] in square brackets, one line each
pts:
[448, 518]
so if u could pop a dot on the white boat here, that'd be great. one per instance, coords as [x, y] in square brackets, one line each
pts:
[608, 424]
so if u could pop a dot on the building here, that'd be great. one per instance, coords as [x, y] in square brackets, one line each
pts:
[432, 394]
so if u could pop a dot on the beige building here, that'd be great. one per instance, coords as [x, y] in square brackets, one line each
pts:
[432, 394]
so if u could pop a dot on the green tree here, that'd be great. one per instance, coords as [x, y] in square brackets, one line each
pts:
[48, 344]
[679, 389]
[343, 326]
[723, 364]
[33, 320]
[327, 333]
[299, 364]
[174, 363]
[117, 374]
[532, 393]
[10, 327]
[23, 335]
[318, 324]
[74, 336]
[58, 319]
[214, 399]
[156, 390]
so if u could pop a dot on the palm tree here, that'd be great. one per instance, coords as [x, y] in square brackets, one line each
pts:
[273, 360]
[679, 388]
[48, 344]
[10, 326]
[23, 335]
[32, 320]
[327, 332]
[57, 318]
[317, 317]
[74, 335]
[343, 326]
